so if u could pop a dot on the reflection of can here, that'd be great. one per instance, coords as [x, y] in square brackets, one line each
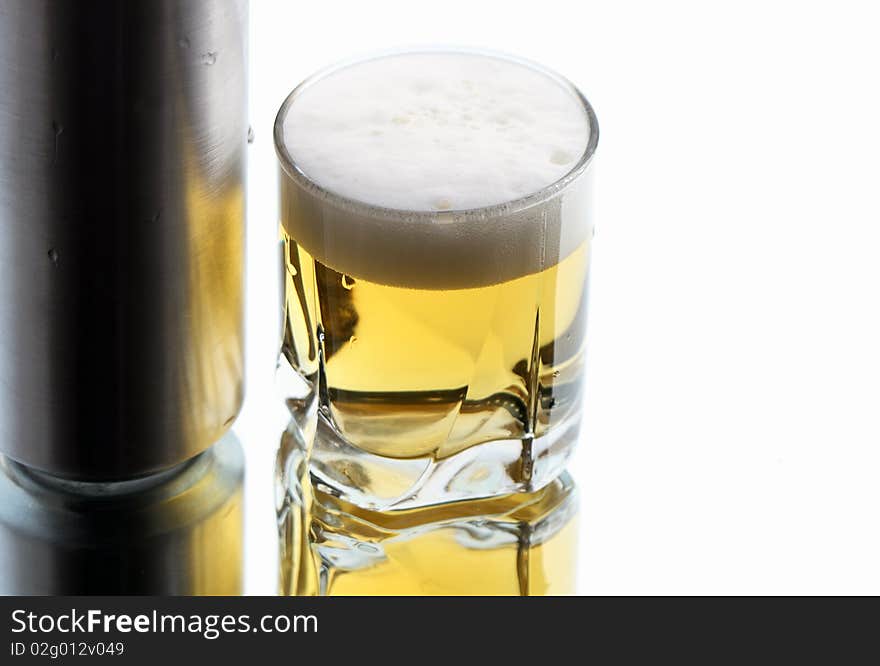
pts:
[123, 134]
[178, 532]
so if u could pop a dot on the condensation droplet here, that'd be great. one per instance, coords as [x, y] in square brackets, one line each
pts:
[57, 130]
[250, 134]
[348, 282]
[352, 339]
[54, 257]
[183, 43]
[209, 58]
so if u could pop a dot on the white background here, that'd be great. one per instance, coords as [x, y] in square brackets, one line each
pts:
[732, 430]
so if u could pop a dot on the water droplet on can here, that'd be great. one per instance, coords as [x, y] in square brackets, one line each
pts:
[209, 58]
[348, 282]
[250, 134]
[57, 130]
[54, 257]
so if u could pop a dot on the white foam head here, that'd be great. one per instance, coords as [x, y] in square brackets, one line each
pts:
[433, 132]
[436, 131]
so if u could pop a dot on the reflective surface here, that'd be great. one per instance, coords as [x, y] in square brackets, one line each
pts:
[123, 129]
[731, 430]
[520, 544]
[175, 533]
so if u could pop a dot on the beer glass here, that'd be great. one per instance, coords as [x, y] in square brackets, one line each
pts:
[436, 230]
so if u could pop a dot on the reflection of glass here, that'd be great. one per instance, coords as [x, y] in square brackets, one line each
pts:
[177, 532]
[519, 544]
[444, 342]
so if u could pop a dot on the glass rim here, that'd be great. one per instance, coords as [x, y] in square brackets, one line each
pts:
[296, 173]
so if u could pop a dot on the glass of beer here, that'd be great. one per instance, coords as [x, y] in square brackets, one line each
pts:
[436, 229]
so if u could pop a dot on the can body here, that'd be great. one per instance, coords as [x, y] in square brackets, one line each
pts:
[122, 158]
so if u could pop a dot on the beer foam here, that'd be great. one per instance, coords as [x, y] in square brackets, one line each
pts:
[436, 131]
[432, 132]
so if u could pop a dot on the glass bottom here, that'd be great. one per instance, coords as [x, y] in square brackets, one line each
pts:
[381, 483]
[490, 469]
